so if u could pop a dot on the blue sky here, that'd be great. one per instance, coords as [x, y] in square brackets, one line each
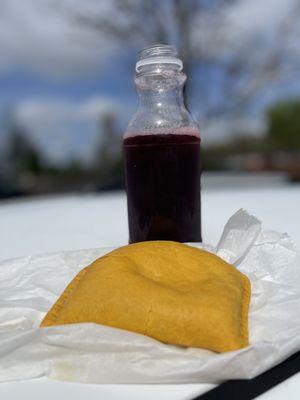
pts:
[60, 78]
[60, 140]
[114, 80]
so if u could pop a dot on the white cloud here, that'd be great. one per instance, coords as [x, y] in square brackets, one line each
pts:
[97, 106]
[248, 27]
[258, 17]
[42, 35]
[38, 111]
[225, 128]
[38, 35]
[63, 130]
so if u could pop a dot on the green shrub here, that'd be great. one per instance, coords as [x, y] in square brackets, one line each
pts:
[284, 125]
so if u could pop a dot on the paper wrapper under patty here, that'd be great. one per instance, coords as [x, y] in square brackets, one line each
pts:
[100, 354]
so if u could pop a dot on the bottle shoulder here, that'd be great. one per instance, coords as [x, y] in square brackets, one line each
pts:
[164, 119]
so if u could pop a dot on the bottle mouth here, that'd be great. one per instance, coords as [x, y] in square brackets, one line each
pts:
[158, 54]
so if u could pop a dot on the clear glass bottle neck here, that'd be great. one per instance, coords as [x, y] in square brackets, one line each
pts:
[160, 84]
[161, 106]
[161, 97]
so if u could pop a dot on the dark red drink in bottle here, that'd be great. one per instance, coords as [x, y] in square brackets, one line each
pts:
[162, 154]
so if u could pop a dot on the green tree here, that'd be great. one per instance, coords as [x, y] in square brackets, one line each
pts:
[284, 125]
[22, 156]
[109, 155]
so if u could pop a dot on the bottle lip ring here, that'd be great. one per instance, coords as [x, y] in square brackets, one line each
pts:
[158, 60]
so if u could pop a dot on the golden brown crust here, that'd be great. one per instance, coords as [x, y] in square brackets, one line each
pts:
[172, 292]
[52, 315]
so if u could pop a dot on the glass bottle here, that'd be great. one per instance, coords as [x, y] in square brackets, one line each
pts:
[162, 154]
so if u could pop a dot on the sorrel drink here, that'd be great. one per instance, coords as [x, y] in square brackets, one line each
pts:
[162, 154]
[163, 186]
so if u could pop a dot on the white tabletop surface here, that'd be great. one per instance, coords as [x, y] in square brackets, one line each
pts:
[84, 221]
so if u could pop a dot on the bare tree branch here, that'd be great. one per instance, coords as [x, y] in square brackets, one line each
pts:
[144, 22]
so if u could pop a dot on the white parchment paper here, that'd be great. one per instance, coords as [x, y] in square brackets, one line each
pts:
[99, 354]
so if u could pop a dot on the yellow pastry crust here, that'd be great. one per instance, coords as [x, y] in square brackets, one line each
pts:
[169, 291]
